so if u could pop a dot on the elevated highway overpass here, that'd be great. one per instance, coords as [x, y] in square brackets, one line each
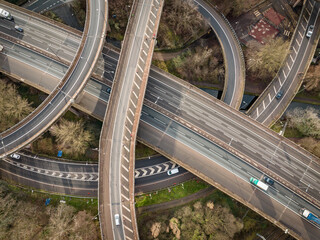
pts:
[200, 145]
[64, 94]
[169, 90]
[120, 124]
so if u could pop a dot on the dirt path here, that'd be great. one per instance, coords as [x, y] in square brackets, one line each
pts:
[174, 203]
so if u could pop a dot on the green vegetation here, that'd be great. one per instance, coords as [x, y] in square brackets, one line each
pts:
[306, 121]
[277, 127]
[202, 64]
[176, 192]
[180, 24]
[33, 96]
[118, 18]
[53, 16]
[216, 216]
[23, 215]
[234, 8]
[71, 136]
[83, 146]
[142, 151]
[310, 91]
[17, 2]
[13, 107]
[263, 63]
[79, 8]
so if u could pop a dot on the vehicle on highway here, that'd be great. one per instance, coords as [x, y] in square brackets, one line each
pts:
[173, 171]
[310, 31]
[18, 28]
[5, 14]
[259, 184]
[14, 155]
[310, 216]
[268, 181]
[279, 94]
[1, 48]
[117, 219]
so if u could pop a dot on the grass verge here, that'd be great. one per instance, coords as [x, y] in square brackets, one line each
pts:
[176, 192]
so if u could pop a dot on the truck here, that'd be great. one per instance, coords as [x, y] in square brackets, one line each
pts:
[310, 216]
[259, 184]
[5, 14]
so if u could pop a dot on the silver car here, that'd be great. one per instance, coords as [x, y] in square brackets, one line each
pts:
[310, 31]
[14, 155]
[117, 219]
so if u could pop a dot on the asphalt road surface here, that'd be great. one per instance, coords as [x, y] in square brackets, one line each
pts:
[234, 62]
[179, 92]
[117, 139]
[274, 150]
[267, 107]
[64, 95]
[81, 179]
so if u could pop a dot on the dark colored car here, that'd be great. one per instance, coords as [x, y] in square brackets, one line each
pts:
[279, 94]
[268, 180]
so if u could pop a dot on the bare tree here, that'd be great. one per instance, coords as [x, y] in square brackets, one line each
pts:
[13, 108]
[306, 121]
[180, 22]
[71, 136]
[266, 60]
[312, 78]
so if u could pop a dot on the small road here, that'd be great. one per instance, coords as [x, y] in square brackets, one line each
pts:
[267, 108]
[81, 179]
[233, 59]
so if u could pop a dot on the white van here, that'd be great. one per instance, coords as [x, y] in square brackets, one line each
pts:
[173, 171]
[117, 219]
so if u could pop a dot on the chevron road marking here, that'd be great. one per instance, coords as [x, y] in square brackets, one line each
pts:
[144, 172]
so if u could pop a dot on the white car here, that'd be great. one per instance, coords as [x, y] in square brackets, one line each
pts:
[173, 171]
[117, 219]
[14, 155]
[310, 31]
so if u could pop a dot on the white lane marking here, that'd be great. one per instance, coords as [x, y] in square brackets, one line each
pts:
[124, 168]
[124, 178]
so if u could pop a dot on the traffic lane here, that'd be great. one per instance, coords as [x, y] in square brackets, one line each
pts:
[48, 182]
[41, 162]
[44, 40]
[74, 84]
[218, 175]
[195, 101]
[85, 192]
[211, 151]
[295, 51]
[230, 58]
[45, 81]
[161, 181]
[150, 161]
[44, 29]
[231, 132]
[133, 46]
[305, 47]
[19, 53]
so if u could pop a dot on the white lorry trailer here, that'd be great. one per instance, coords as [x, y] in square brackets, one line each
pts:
[5, 14]
[259, 184]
